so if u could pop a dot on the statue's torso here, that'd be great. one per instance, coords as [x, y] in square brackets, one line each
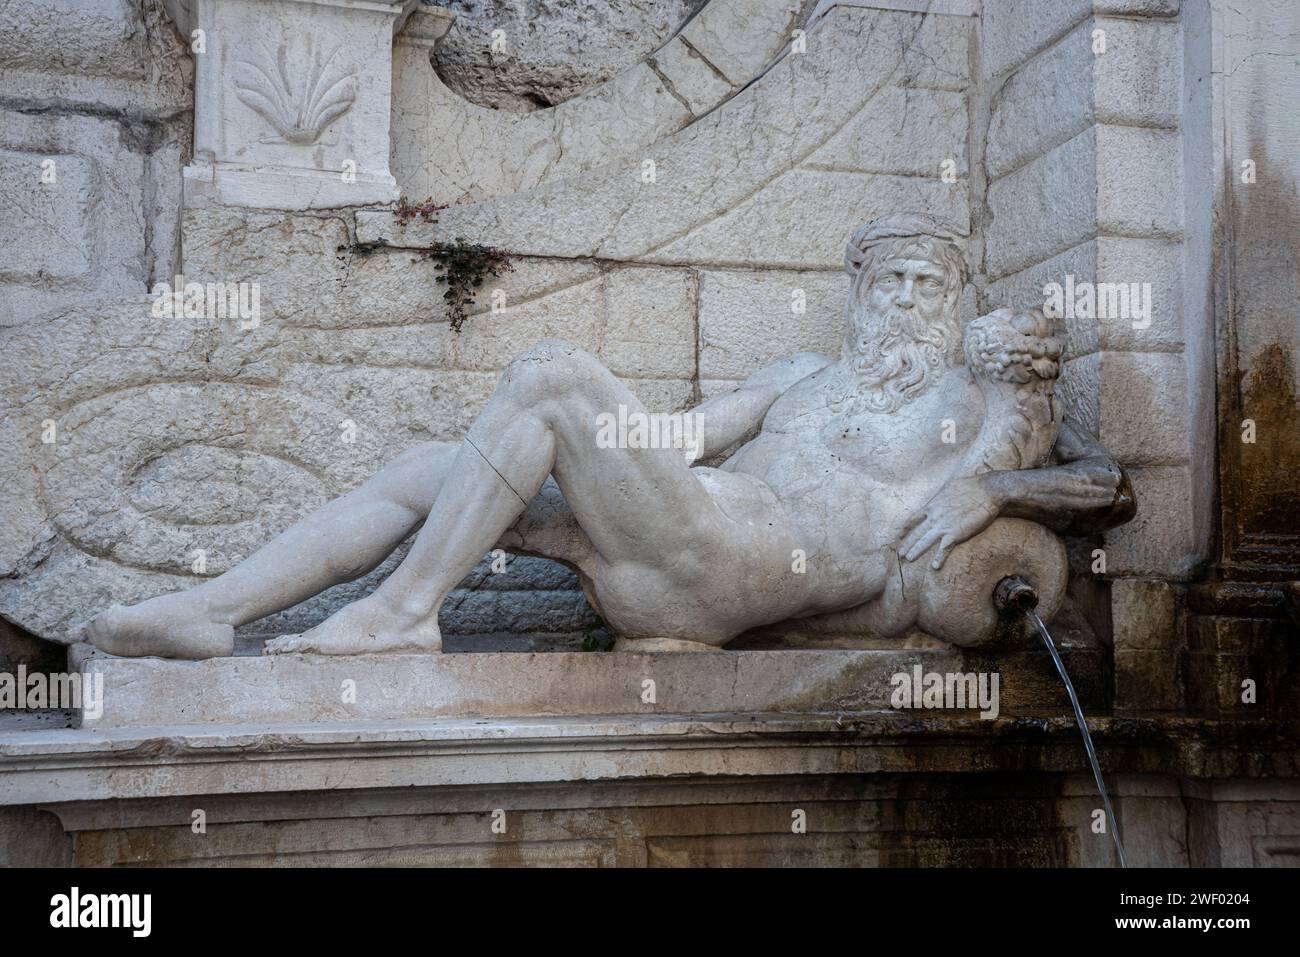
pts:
[820, 492]
[852, 478]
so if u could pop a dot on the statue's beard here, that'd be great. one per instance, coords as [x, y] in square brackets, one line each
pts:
[892, 356]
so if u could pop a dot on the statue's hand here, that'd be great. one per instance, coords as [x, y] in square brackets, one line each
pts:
[962, 509]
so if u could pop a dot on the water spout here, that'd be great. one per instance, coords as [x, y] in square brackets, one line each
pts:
[1016, 594]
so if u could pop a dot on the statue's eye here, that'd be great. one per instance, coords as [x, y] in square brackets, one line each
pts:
[931, 284]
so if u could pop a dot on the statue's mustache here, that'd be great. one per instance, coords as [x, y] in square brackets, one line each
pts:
[879, 330]
[893, 354]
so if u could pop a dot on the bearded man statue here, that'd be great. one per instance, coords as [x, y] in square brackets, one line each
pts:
[883, 492]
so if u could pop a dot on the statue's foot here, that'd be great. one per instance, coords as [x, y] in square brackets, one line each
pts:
[365, 627]
[169, 626]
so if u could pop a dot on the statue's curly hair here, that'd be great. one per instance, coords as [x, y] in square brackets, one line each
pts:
[888, 237]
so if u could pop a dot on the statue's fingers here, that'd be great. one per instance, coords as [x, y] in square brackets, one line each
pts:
[916, 519]
[1092, 495]
[909, 540]
[941, 556]
[931, 536]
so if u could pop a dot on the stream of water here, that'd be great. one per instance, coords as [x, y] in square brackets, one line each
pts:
[1083, 728]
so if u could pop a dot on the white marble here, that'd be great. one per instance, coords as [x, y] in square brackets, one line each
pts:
[292, 101]
[898, 483]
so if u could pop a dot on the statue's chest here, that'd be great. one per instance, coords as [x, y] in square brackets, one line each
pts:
[924, 435]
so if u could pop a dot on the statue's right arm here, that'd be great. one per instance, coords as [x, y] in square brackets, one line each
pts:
[734, 416]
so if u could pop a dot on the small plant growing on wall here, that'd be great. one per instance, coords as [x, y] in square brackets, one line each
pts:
[426, 210]
[464, 265]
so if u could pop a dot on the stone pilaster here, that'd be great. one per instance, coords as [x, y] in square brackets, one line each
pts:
[292, 100]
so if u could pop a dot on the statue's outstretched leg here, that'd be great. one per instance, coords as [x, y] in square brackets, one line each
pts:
[340, 542]
[542, 420]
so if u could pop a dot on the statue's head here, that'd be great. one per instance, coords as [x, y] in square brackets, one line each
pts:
[903, 318]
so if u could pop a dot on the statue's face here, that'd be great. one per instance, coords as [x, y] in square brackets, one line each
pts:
[912, 286]
[903, 329]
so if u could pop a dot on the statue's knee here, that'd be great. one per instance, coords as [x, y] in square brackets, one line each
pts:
[956, 601]
[549, 367]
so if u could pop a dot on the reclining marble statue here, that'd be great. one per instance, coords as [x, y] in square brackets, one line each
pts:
[890, 488]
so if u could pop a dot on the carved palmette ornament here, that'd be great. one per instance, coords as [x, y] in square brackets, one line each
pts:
[299, 105]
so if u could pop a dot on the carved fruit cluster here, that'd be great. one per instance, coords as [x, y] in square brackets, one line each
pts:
[1014, 347]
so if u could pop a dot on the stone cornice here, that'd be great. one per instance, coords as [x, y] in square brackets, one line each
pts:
[59, 765]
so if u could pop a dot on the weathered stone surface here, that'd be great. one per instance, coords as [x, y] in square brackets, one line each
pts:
[649, 323]
[1137, 194]
[690, 77]
[1143, 398]
[1135, 82]
[934, 135]
[101, 91]
[1015, 30]
[1144, 613]
[724, 174]
[453, 149]
[80, 236]
[750, 318]
[755, 232]
[655, 792]
[259, 690]
[93, 37]
[1160, 541]
[723, 33]
[121, 56]
[1107, 259]
[1134, 402]
[32, 838]
[1057, 192]
[547, 53]
[1108, 179]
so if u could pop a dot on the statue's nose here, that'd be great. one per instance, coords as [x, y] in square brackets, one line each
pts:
[904, 296]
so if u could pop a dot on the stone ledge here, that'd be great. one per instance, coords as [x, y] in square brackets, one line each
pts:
[39, 767]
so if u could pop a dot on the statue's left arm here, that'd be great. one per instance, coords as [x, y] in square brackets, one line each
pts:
[1084, 492]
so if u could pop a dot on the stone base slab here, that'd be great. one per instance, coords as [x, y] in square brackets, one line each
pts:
[152, 692]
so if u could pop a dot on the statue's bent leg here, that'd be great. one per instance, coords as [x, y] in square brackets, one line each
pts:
[543, 419]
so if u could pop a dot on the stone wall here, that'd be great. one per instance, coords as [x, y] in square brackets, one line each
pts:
[684, 267]
[95, 121]
[546, 52]
[1082, 161]
[1079, 119]
[454, 149]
